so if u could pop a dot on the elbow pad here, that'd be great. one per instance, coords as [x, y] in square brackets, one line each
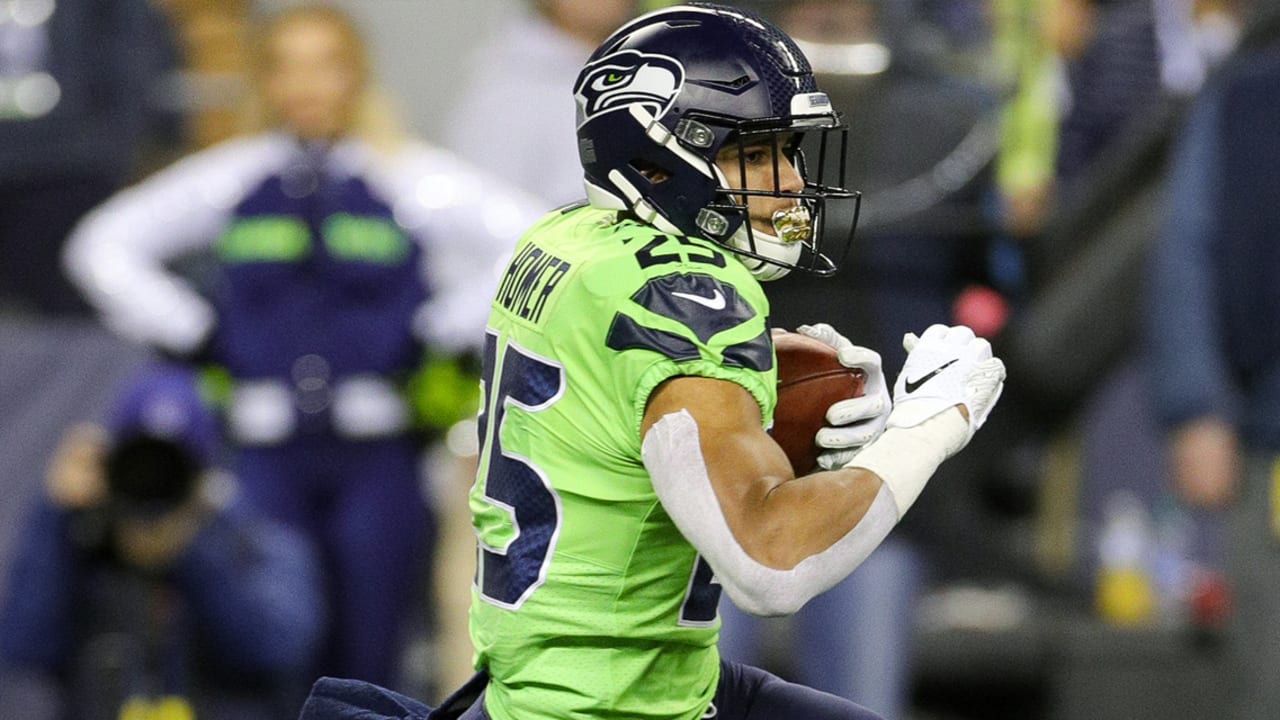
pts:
[673, 456]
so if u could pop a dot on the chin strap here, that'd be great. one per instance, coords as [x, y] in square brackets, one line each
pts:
[762, 269]
[776, 254]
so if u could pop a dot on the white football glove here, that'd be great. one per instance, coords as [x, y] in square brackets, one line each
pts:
[945, 367]
[857, 421]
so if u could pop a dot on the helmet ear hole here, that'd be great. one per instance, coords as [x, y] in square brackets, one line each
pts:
[652, 171]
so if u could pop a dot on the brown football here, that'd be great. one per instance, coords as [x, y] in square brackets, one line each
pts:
[810, 380]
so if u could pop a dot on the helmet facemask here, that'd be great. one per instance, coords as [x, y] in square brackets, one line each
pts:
[798, 234]
[662, 96]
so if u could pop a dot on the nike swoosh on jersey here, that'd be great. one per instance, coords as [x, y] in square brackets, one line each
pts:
[715, 302]
[913, 385]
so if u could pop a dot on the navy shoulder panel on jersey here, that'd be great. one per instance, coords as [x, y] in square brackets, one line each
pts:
[627, 334]
[754, 354]
[702, 303]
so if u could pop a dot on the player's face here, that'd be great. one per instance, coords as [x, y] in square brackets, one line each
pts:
[752, 167]
[312, 79]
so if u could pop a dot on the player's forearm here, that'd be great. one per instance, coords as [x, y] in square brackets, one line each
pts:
[674, 457]
[788, 521]
[800, 518]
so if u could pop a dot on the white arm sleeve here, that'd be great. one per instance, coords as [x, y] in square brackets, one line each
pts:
[116, 254]
[673, 456]
[906, 457]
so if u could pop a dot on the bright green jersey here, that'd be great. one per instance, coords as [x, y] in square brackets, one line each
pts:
[588, 601]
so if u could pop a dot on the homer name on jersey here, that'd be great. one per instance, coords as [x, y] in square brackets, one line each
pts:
[531, 278]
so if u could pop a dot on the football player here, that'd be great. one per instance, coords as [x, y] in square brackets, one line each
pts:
[626, 474]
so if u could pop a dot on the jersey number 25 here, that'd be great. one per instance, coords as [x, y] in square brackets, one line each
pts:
[506, 575]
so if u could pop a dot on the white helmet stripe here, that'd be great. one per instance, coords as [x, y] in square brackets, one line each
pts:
[662, 136]
[642, 208]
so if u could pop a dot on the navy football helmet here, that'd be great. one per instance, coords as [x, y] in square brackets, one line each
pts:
[663, 95]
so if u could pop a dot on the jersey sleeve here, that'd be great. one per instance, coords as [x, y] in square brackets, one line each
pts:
[691, 311]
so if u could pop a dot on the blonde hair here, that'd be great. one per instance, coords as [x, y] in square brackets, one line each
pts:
[374, 119]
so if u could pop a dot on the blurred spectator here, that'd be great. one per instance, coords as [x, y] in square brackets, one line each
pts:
[143, 583]
[1113, 73]
[1088, 264]
[77, 83]
[341, 252]
[1213, 335]
[922, 242]
[1027, 65]
[516, 117]
[1088, 78]
[214, 36]
[1131, 64]
[1108, 92]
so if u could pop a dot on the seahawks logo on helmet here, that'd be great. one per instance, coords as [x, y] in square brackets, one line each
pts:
[625, 78]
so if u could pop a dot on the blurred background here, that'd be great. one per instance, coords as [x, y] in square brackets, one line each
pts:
[1087, 183]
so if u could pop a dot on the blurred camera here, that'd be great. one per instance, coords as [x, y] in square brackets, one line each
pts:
[149, 475]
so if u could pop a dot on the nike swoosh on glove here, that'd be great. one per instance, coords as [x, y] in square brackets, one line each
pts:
[945, 367]
[855, 422]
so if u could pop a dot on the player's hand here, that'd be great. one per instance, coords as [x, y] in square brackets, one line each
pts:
[946, 367]
[857, 421]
